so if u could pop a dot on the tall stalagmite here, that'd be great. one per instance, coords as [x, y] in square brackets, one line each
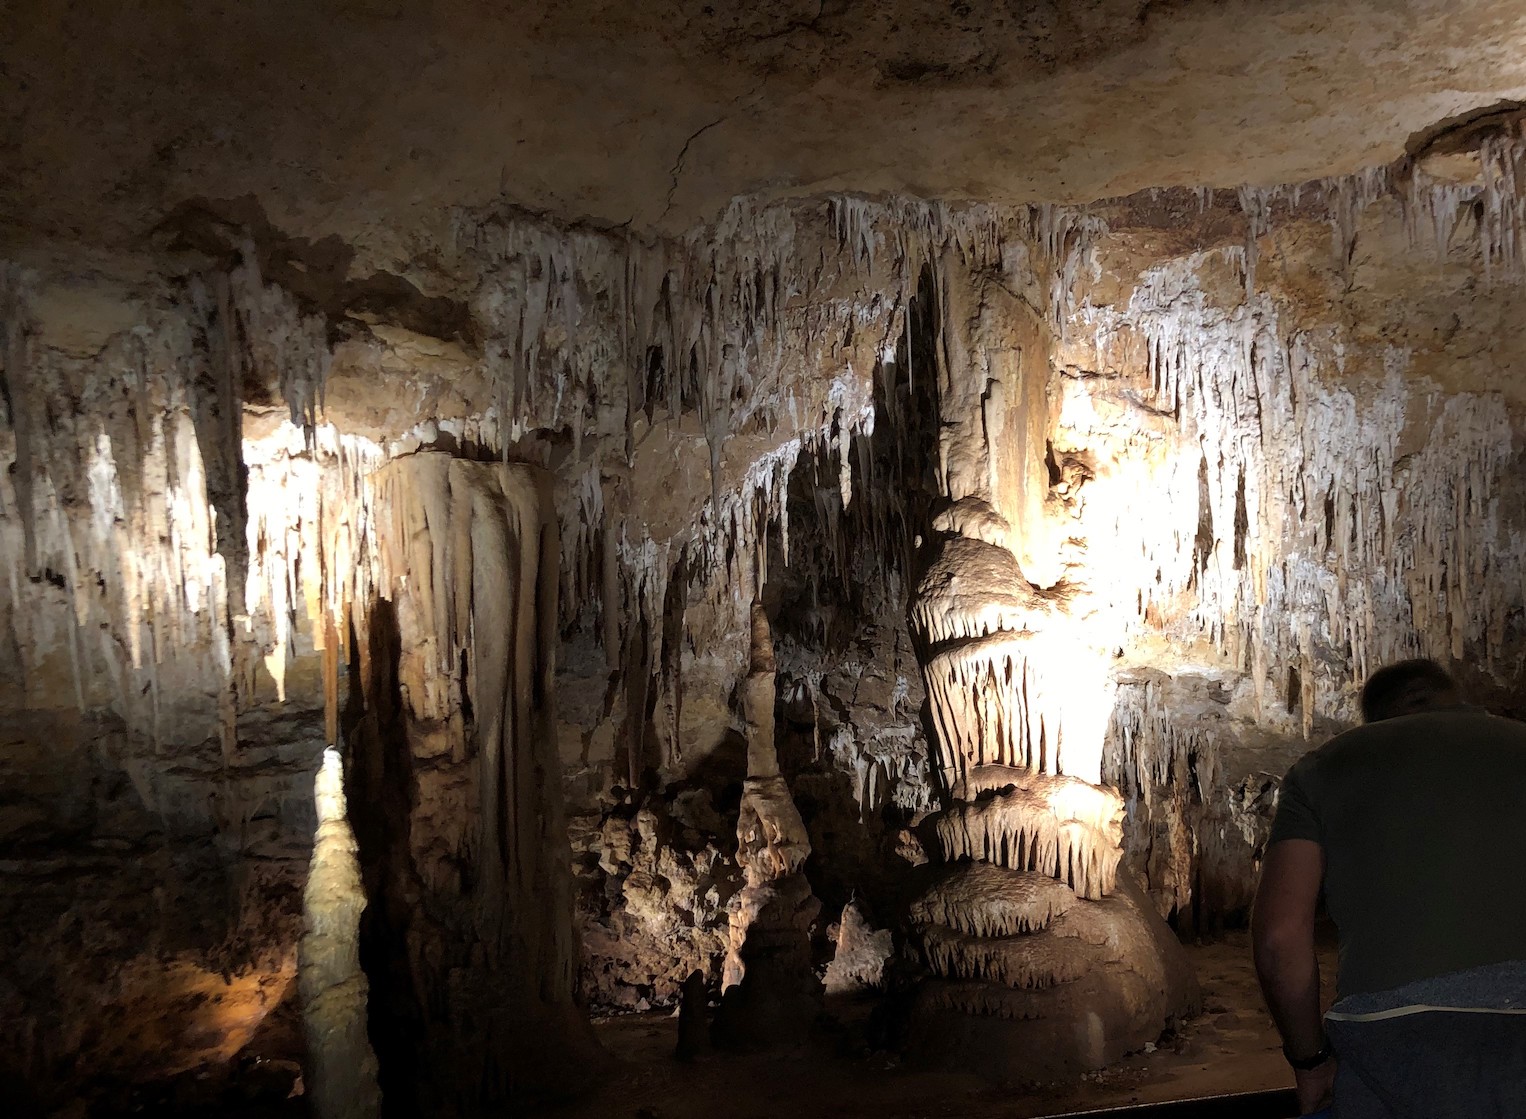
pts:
[770, 992]
[340, 1072]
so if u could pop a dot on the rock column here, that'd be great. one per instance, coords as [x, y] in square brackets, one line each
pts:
[1045, 960]
[455, 792]
[340, 1074]
[770, 994]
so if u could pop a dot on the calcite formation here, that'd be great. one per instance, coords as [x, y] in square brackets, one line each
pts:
[340, 1074]
[454, 791]
[1153, 479]
[652, 908]
[862, 955]
[769, 993]
[1044, 962]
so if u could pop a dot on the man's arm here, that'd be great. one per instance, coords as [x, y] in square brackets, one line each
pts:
[1282, 935]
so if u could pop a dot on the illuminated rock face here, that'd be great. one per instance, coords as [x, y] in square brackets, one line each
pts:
[1048, 960]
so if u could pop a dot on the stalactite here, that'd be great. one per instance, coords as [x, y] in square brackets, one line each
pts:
[308, 522]
[1432, 208]
[1200, 790]
[1284, 442]
[717, 322]
[282, 340]
[113, 547]
[1065, 828]
[1503, 229]
[983, 899]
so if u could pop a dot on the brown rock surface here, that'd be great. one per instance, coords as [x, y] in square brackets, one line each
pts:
[366, 118]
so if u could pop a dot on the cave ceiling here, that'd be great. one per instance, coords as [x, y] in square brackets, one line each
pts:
[368, 120]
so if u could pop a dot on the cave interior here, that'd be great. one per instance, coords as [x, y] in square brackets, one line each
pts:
[654, 559]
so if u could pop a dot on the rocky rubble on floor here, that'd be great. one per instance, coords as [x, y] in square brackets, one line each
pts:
[651, 902]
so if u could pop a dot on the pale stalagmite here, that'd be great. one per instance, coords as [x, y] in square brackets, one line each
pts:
[341, 1072]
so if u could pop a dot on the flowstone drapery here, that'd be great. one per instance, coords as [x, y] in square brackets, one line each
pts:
[1047, 960]
[467, 936]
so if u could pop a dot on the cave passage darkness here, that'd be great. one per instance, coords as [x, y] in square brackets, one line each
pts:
[714, 557]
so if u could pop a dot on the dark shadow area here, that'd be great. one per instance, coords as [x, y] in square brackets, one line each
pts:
[381, 789]
[837, 596]
[848, 566]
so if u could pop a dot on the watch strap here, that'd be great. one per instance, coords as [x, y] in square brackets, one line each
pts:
[1311, 1062]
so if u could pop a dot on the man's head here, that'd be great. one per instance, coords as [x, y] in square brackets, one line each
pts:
[1408, 688]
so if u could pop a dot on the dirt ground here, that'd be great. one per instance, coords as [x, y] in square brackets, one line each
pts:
[1232, 1047]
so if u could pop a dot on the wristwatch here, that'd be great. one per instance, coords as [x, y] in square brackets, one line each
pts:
[1311, 1062]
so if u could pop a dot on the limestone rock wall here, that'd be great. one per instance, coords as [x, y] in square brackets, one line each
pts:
[1278, 446]
[1335, 489]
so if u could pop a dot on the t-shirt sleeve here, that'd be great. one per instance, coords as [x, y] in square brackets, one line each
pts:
[1296, 816]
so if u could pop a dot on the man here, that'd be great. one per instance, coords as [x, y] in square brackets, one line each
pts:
[1414, 825]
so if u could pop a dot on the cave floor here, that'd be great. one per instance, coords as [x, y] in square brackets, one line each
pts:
[1230, 1048]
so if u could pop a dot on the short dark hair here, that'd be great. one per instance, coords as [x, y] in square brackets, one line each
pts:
[1406, 688]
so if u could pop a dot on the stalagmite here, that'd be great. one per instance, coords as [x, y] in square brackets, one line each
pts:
[341, 1067]
[769, 992]
[862, 955]
[1048, 961]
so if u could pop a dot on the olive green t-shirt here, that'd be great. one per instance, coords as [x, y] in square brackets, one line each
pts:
[1423, 824]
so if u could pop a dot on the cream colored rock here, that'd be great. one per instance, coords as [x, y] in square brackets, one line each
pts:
[340, 1073]
[1262, 439]
[1064, 828]
[983, 899]
[858, 966]
[1075, 1000]
[471, 858]
[768, 988]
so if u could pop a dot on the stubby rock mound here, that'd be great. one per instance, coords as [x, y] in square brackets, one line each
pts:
[1034, 983]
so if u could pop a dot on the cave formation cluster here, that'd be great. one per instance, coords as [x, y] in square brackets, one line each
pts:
[939, 586]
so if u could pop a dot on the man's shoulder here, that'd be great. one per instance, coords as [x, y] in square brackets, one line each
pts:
[1422, 728]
